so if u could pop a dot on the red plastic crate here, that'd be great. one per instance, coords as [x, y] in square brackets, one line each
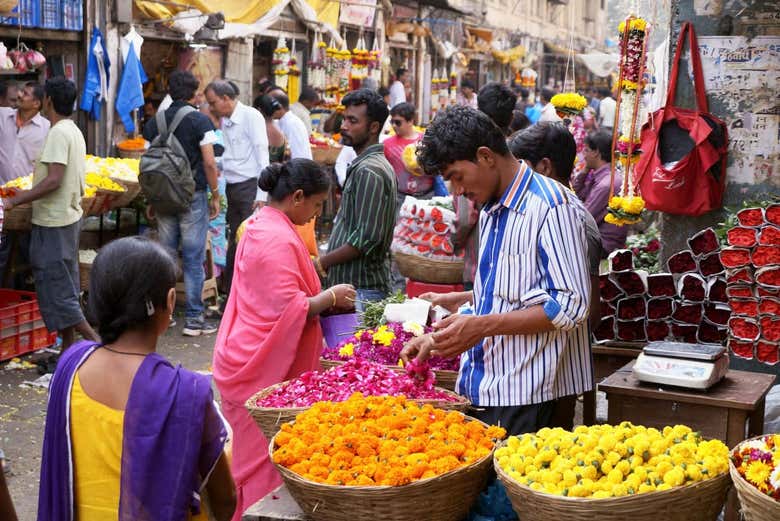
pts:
[21, 328]
[415, 288]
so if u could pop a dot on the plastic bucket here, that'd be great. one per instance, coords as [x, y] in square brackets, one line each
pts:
[337, 328]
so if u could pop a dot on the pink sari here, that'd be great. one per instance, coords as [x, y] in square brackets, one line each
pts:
[264, 338]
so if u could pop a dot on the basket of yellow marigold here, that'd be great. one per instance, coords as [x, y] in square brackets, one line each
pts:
[614, 473]
[384, 458]
[755, 470]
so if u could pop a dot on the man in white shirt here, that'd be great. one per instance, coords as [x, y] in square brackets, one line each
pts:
[548, 112]
[607, 108]
[293, 128]
[398, 88]
[245, 156]
[306, 102]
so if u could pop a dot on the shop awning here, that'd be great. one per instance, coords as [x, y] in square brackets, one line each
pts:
[238, 11]
[483, 33]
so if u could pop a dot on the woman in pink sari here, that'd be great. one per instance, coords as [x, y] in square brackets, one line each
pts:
[270, 331]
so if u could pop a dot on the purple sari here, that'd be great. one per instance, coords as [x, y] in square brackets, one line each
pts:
[172, 438]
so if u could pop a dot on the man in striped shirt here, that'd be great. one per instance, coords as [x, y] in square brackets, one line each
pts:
[359, 248]
[526, 342]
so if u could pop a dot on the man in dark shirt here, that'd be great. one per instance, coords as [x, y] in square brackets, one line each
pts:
[359, 249]
[197, 137]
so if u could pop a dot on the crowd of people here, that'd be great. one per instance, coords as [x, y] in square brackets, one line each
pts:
[530, 192]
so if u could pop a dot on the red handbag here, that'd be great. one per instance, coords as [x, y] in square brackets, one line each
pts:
[682, 169]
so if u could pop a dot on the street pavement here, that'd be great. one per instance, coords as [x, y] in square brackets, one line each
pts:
[23, 414]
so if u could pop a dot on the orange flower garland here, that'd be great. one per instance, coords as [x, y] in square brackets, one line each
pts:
[380, 441]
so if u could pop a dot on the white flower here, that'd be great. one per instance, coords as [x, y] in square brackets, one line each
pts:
[413, 328]
[758, 444]
[774, 478]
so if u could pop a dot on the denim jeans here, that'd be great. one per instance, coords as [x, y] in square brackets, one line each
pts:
[367, 295]
[191, 228]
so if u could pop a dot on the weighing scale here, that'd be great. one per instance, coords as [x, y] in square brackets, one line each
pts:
[693, 366]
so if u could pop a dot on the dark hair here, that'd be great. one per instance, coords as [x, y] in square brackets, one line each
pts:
[376, 109]
[405, 110]
[383, 91]
[223, 88]
[128, 277]
[265, 86]
[519, 121]
[283, 179]
[282, 98]
[550, 140]
[62, 93]
[466, 84]
[604, 92]
[38, 91]
[547, 93]
[267, 105]
[400, 72]
[600, 140]
[455, 135]
[497, 101]
[182, 85]
[308, 94]
[524, 93]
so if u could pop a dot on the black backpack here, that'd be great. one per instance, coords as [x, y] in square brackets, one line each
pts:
[165, 173]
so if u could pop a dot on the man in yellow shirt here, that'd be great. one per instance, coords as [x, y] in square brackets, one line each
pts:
[58, 185]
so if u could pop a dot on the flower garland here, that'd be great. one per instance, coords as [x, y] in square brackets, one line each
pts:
[569, 104]
[453, 88]
[360, 58]
[758, 461]
[369, 441]
[627, 207]
[375, 62]
[315, 69]
[294, 81]
[281, 62]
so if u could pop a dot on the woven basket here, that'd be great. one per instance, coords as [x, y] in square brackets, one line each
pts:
[702, 501]
[270, 419]
[325, 155]
[754, 505]
[423, 269]
[444, 379]
[84, 270]
[129, 154]
[443, 498]
[18, 218]
[132, 189]
[101, 203]
[6, 6]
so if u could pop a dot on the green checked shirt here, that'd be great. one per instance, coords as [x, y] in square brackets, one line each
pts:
[366, 220]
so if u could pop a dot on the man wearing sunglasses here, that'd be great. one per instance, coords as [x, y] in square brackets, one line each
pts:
[409, 183]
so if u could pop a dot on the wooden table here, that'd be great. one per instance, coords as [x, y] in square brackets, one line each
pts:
[606, 360]
[732, 410]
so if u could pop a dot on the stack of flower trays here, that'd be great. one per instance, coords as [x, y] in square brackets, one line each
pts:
[752, 263]
[687, 304]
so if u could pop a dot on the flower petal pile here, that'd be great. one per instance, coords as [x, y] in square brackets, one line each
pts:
[338, 383]
[605, 461]
[384, 344]
[758, 461]
[385, 441]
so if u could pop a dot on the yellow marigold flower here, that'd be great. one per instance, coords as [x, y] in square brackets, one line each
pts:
[616, 202]
[757, 472]
[347, 349]
[675, 477]
[570, 101]
[611, 219]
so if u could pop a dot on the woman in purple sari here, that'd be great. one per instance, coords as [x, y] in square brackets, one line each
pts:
[128, 436]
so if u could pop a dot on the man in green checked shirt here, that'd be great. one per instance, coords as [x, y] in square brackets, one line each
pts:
[359, 249]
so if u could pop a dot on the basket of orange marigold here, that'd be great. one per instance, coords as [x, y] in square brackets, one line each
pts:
[377, 458]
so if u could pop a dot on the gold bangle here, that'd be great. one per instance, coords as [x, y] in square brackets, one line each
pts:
[318, 267]
[334, 297]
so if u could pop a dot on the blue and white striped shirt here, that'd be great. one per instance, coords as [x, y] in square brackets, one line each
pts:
[532, 252]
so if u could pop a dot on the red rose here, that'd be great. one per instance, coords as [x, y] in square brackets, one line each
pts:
[608, 289]
[734, 257]
[744, 306]
[742, 237]
[718, 314]
[688, 313]
[769, 306]
[741, 348]
[751, 217]
[744, 328]
[692, 287]
[762, 292]
[740, 291]
[631, 330]
[630, 282]
[605, 330]
[621, 260]
[661, 285]
[767, 352]
[712, 334]
[768, 277]
[685, 332]
[770, 236]
[772, 214]
[770, 328]
[766, 255]
[653, 246]
[682, 262]
[710, 265]
[738, 275]
[703, 242]
[716, 290]
[631, 308]
[658, 308]
[657, 330]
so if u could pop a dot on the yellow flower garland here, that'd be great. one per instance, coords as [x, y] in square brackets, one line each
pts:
[637, 24]
[569, 101]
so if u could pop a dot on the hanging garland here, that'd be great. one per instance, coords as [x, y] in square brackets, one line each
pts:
[628, 206]
[281, 62]
[332, 71]
[359, 70]
[315, 70]
[294, 81]
[374, 62]
[568, 104]
[453, 88]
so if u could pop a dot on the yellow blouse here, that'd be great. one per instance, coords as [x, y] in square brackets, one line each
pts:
[96, 437]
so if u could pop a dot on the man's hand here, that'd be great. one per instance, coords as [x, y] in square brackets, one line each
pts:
[214, 206]
[8, 203]
[449, 301]
[455, 335]
[419, 347]
[150, 215]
